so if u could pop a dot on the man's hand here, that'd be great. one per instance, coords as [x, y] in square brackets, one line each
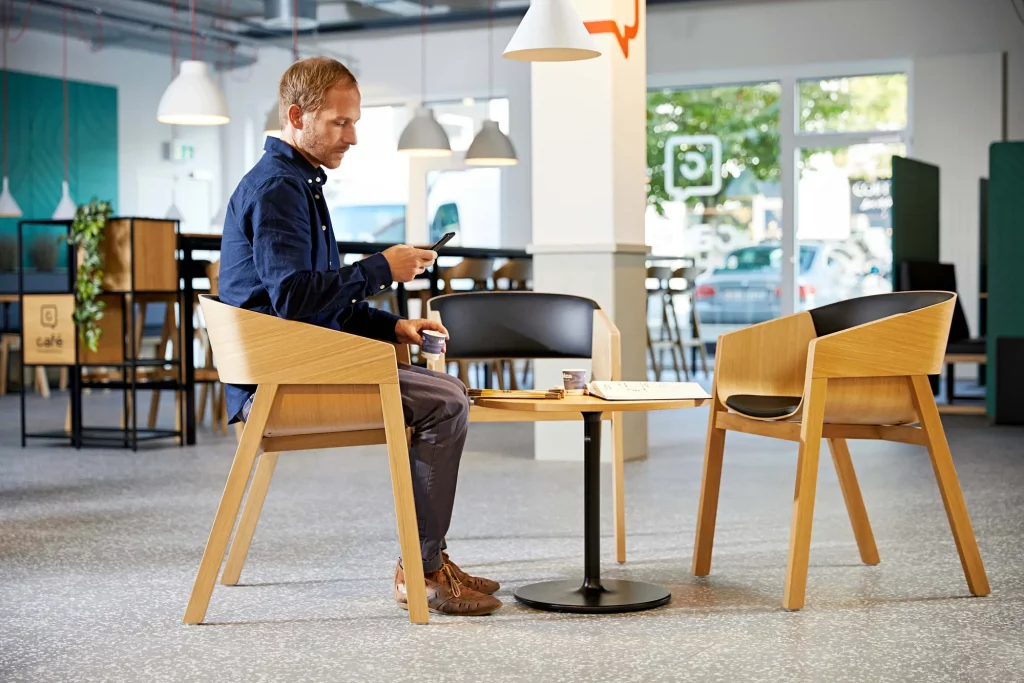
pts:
[408, 331]
[407, 262]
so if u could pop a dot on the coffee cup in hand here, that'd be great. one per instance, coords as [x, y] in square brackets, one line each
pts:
[574, 381]
[433, 344]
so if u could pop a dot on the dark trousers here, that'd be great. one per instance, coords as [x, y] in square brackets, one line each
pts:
[436, 407]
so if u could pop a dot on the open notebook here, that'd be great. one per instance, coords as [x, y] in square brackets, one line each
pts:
[647, 391]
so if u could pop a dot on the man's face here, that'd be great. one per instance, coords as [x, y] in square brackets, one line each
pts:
[327, 134]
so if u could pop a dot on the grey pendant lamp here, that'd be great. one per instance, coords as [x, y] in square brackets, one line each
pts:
[272, 126]
[424, 136]
[491, 147]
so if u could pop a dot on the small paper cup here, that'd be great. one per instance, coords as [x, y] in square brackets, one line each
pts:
[433, 344]
[574, 381]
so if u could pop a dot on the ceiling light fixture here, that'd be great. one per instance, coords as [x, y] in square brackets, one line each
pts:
[551, 31]
[66, 207]
[272, 126]
[424, 136]
[193, 98]
[491, 147]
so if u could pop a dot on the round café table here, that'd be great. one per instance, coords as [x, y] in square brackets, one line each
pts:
[594, 595]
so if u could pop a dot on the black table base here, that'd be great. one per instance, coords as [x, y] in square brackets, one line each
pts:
[592, 596]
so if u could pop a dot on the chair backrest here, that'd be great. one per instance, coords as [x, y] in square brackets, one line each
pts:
[843, 315]
[516, 270]
[487, 325]
[475, 269]
[929, 275]
[213, 275]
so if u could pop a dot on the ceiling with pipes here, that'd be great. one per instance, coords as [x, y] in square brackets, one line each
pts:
[230, 32]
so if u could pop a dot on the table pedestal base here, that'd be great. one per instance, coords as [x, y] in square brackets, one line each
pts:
[613, 596]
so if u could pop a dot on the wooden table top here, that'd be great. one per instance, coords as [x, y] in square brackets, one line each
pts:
[583, 404]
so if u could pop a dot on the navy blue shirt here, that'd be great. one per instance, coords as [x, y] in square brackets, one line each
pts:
[279, 256]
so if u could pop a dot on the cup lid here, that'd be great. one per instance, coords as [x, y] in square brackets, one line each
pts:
[433, 333]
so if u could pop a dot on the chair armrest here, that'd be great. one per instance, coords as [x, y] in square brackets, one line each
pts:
[905, 344]
[768, 359]
[606, 354]
[402, 353]
[254, 348]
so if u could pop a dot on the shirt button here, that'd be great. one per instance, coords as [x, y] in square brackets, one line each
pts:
[382, 286]
[318, 180]
[353, 300]
[316, 196]
[309, 180]
[323, 227]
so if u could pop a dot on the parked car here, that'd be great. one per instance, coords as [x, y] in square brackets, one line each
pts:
[748, 287]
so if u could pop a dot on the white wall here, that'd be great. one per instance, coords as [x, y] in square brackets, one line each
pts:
[144, 180]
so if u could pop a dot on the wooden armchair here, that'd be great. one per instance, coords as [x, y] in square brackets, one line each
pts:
[857, 369]
[531, 325]
[301, 403]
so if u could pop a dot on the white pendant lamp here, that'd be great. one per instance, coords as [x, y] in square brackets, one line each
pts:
[193, 98]
[273, 124]
[551, 31]
[66, 207]
[8, 207]
[172, 213]
[424, 136]
[491, 147]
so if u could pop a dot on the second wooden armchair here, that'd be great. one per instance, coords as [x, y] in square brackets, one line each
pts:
[857, 369]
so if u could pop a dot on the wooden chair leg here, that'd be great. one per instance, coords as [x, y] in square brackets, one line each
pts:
[618, 487]
[204, 392]
[949, 487]
[62, 381]
[250, 516]
[695, 327]
[854, 502]
[230, 501]
[5, 358]
[711, 482]
[803, 495]
[42, 381]
[405, 505]
[167, 335]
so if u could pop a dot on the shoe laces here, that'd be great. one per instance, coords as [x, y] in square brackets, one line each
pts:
[446, 570]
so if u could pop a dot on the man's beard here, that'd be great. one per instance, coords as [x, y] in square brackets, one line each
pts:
[315, 146]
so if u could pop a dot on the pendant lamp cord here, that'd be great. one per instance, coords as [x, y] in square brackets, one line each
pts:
[192, 9]
[174, 39]
[295, 30]
[423, 53]
[490, 54]
[64, 88]
[4, 21]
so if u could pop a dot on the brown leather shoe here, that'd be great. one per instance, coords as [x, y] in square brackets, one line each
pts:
[480, 585]
[446, 594]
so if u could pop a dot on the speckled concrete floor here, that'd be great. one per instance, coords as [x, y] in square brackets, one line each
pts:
[98, 550]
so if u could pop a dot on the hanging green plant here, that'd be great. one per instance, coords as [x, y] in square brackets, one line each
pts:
[85, 235]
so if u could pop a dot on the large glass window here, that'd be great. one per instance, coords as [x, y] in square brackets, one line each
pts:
[367, 195]
[714, 197]
[461, 199]
[857, 103]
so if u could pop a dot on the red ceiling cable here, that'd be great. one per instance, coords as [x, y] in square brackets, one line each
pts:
[3, 11]
[192, 8]
[85, 36]
[295, 30]
[174, 39]
[24, 20]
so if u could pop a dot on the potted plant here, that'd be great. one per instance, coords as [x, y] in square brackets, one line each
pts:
[86, 234]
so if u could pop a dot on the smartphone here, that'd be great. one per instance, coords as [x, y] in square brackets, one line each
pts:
[443, 241]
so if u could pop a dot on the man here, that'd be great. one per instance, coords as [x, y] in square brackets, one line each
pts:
[279, 256]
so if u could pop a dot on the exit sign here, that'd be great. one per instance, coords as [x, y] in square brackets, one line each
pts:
[178, 151]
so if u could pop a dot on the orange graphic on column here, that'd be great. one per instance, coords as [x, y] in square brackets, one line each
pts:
[609, 26]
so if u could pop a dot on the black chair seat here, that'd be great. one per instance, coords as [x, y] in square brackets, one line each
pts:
[763, 406]
[966, 346]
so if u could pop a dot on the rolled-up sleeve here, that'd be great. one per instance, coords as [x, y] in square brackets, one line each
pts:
[282, 248]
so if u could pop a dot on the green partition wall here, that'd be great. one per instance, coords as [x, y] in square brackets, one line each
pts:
[1005, 252]
[35, 135]
[915, 212]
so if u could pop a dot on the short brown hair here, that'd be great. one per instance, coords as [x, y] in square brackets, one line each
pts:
[306, 83]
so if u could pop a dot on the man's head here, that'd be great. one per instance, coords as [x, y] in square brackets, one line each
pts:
[318, 102]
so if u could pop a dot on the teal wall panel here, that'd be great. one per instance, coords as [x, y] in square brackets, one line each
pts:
[35, 136]
[1005, 316]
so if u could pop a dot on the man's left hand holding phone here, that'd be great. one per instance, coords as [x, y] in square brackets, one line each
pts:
[406, 263]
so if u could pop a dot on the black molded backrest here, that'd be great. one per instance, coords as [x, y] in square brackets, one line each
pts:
[865, 309]
[918, 275]
[516, 325]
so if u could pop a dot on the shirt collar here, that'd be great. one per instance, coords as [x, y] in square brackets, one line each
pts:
[280, 148]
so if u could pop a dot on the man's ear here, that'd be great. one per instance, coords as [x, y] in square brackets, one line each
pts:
[295, 116]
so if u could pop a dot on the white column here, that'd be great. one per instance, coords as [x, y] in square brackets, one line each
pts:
[589, 162]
